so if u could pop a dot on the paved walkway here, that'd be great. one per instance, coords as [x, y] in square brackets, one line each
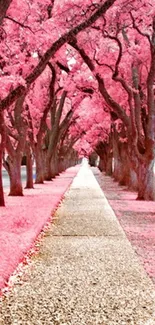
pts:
[86, 272]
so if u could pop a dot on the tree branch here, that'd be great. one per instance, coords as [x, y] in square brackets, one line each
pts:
[20, 90]
[116, 39]
[62, 67]
[137, 28]
[115, 106]
[49, 9]
[18, 23]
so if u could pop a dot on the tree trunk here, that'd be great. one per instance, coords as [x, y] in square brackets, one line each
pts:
[133, 164]
[102, 151]
[39, 164]
[133, 181]
[146, 181]
[101, 164]
[2, 147]
[117, 164]
[2, 203]
[108, 167]
[14, 171]
[124, 177]
[29, 167]
[93, 159]
[54, 165]
[51, 165]
[47, 168]
[13, 165]
[61, 164]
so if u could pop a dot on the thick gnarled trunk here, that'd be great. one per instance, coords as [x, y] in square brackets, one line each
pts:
[54, 165]
[146, 181]
[2, 147]
[29, 167]
[39, 164]
[104, 151]
[101, 164]
[47, 167]
[118, 168]
[14, 171]
[2, 202]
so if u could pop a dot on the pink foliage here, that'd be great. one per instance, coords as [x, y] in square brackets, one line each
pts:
[22, 46]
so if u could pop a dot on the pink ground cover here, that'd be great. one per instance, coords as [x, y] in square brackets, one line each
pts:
[137, 218]
[23, 218]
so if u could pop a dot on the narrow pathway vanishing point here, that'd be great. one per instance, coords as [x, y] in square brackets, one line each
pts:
[86, 271]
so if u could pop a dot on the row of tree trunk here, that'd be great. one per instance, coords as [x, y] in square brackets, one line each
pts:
[117, 160]
[46, 152]
[56, 165]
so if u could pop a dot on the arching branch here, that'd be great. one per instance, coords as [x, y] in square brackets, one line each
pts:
[137, 28]
[20, 90]
[109, 100]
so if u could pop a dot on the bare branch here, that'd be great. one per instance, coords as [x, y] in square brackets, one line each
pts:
[83, 54]
[18, 23]
[49, 9]
[137, 28]
[103, 64]
[62, 67]
[116, 39]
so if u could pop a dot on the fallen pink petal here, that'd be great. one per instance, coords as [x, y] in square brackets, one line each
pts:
[23, 218]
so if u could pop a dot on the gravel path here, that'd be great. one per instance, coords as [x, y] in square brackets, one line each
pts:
[86, 272]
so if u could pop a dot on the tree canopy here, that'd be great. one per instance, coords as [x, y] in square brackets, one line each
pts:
[74, 73]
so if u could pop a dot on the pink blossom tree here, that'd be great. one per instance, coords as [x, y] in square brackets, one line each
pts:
[20, 65]
[50, 52]
[127, 81]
